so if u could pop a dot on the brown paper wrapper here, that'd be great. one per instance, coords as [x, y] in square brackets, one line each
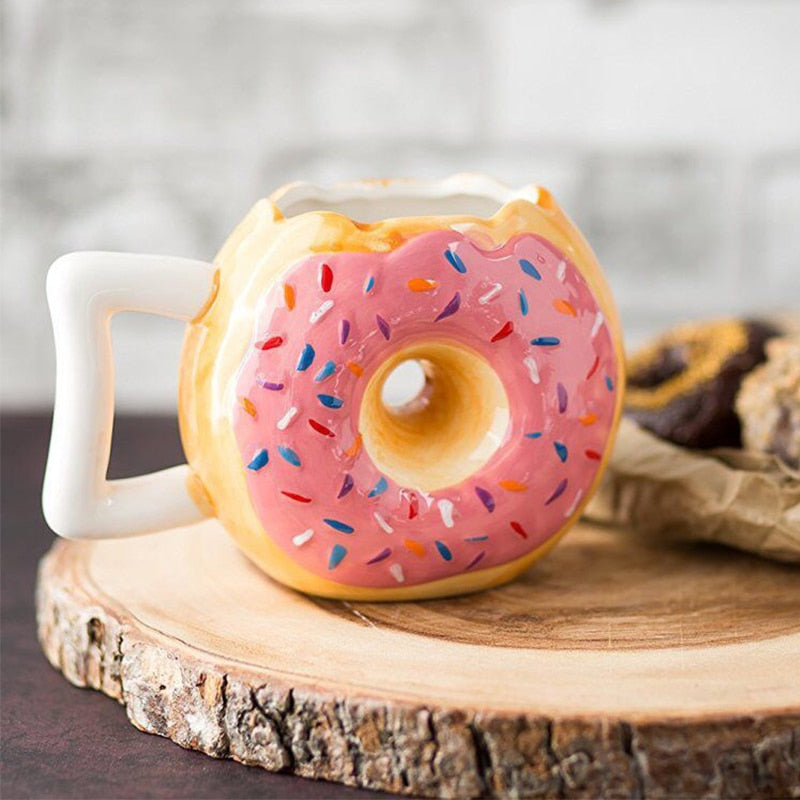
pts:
[746, 500]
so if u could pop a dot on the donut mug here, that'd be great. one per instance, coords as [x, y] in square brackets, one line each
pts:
[318, 300]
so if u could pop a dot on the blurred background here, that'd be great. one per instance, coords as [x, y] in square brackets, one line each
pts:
[668, 129]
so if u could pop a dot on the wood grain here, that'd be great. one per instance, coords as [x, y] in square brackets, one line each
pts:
[615, 668]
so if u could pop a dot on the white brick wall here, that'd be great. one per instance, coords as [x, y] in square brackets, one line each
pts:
[670, 130]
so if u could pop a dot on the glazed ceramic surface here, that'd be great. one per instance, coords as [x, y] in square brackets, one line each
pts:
[317, 297]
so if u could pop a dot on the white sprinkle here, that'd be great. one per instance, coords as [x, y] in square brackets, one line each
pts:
[561, 272]
[491, 294]
[446, 510]
[598, 321]
[530, 363]
[317, 315]
[571, 510]
[302, 538]
[286, 419]
[397, 573]
[383, 523]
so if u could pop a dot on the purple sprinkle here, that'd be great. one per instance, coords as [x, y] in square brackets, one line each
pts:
[476, 538]
[383, 325]
[485, 498]
[560, 489]
[344, 330]
[562, 397]
[273, 387]
[347, 485]
[382, 556]
[477, 559]
[451, 307]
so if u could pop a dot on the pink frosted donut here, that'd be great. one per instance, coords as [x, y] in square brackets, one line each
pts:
[324, 329]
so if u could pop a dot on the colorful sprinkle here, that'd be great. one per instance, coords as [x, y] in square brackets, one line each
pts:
[356, 369]
[609, 383]
[455, 261]
[523, 303]
[595, 365]
[478, 558]
[561, 392]
[587, 419]
[483, 538]
[592, 454]
[320, 428]
[317, 315]
[302, 538]
[561, 450]
[491, 294]
[325, 372]
[505, 331]
[397, 573]
[485, 497]
[298, 497]
[561, 270]
[306, 358]
[565, 307]
[286, 420]
[260, 460]
[529, 269]
[380, 487]
[338, 525]
[337, 554]
[450, 308]
[329, 401]
[519, 530]
[557, 492]
[533, 369]
[273, 387]
[344, 330]
[444, 550]
[347, 485]
[534, 435]
[289, 455]
[413, 505]
[354, 448]
[598, 321]
[446, 511]
[421, 285]
[574, 504]
[512, 486]
[382, 522]
[288, 296]
[369, 284]
[325, 278]
[417, 548]
[383, 326]
[269, 344]
[546, 341]
[382, 556]
[249, 406]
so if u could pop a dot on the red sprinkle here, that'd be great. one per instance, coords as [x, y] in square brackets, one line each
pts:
[298, 497]
[593, 454]
[518, 529]
[320, 428]
[268, 344]
[325, 277]
[504, 331]
[594, 368]
[413, 505]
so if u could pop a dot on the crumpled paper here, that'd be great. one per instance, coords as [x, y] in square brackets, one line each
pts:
[746, 500]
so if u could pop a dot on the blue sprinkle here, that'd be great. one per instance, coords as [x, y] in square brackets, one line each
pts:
[369, 284]
[546, 341]
[325, 372]
[476, 538]
[380, 487]
[529, 269]
[609, 383]
[523, 303]
[306, 358]
[329, 401]
[289, 455]
[533, 435]
[444, 550]
[260, 459]
[561, 449]
[342, 527]
[455, 261]
[337, 554]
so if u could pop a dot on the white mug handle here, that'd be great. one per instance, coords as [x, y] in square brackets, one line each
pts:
[84, 290]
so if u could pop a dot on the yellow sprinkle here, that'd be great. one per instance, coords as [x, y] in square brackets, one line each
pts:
[248, 406]
[288, 296]
[356, 369]
[415, 547]
[513, 486]
[421, 285]
[588, 419]
[355, 448]
[565, 307]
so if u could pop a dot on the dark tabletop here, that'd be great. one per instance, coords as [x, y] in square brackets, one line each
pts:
[60, 741]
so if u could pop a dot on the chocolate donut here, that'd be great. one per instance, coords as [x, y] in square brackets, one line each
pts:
[682, 386]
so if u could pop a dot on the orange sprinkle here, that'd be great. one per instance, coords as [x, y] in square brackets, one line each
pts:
[356, 369]
[355, 448]
[421, 285]
[248, 406]
[565, 307]
[415, 547]
[588, 419]
[512, 486]
[288, 296]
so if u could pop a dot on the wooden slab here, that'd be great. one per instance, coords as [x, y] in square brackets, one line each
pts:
[615, 667]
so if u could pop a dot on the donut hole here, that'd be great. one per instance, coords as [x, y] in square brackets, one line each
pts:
[433, 414]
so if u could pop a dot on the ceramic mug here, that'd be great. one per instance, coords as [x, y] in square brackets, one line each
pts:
[293, 335]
